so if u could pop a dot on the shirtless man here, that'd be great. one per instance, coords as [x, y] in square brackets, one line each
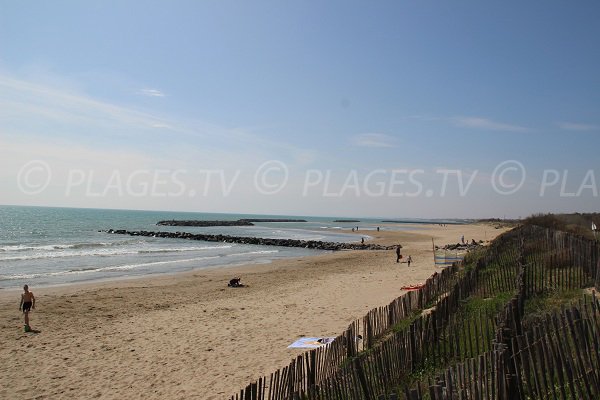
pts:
[27, 304]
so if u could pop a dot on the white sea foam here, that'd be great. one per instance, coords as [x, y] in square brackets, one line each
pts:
[147, 264]
[106, 252]
[60, 246]
[79, 271]
[180, 249]
[253, 252]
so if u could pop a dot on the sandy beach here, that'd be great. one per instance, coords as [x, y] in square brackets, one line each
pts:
[190, 336]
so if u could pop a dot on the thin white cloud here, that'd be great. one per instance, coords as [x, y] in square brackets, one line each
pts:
[487, 124]
[42, 110]
[152, 93]
[373, 140]
[162, 125]
[30, 99]
[574, 126]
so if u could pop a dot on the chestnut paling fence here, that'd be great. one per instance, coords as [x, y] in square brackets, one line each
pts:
[465, 333]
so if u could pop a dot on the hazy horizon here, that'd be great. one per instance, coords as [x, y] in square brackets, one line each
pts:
[399, 217]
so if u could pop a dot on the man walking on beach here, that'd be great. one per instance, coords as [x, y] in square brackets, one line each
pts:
[27, 304]
[398, 255]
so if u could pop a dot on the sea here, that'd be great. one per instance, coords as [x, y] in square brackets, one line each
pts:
[45, 246]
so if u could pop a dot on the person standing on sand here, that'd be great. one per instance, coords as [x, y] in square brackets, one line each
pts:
[398, 255]
[409, 260]
[27, 304]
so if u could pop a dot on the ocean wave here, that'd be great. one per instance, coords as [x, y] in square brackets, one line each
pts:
[61, 246]
[125, 267]
[253, 252]
[180, 249]
[87, 270]
[65, 253]
[134, 266]
[49, 274]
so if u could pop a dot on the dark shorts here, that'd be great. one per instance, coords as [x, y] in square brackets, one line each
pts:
[27, 306]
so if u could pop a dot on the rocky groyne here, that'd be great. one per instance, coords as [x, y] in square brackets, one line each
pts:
[239, 222]
[272, 220]
[307, 244]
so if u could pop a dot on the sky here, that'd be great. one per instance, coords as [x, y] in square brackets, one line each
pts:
[428, 109]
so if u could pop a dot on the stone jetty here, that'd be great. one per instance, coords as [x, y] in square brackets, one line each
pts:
[272, 220]
[239, 222]
[205, 223]
[308, 244]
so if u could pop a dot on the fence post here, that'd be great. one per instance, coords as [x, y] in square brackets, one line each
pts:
[361, 378]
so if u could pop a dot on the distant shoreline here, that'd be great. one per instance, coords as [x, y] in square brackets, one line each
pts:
[425, 222]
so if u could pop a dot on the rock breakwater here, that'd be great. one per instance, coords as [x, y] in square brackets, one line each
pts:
[173, 222]
[272, 220]
[239, 222]
[307, 244]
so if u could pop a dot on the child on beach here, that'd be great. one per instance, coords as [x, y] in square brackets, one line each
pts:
[409, 260]
[27, 304]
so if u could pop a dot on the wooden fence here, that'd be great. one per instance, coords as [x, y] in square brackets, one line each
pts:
[491, 353]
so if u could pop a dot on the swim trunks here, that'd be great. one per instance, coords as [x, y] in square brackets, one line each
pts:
[27, 306]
